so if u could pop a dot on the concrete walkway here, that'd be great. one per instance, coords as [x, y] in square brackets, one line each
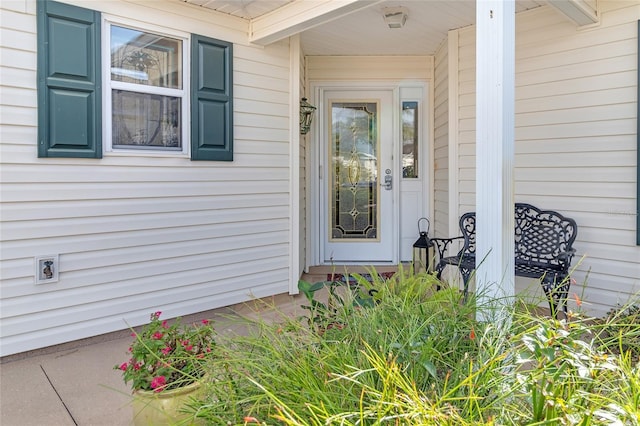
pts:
[78, 385]
[71, 387]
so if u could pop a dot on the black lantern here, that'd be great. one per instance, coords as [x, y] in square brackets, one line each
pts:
[423, 252]
[306, 116]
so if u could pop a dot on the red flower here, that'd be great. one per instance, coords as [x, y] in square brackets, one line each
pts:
[158, 383]
[472, 335]
[248, 419]
[162, 346]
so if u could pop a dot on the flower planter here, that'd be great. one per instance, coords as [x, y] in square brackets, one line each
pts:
[164, 408]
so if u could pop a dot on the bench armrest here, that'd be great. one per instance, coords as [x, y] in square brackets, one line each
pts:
[565, 257]
[442, 244]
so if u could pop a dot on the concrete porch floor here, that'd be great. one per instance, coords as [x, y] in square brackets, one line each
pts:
[75, 383]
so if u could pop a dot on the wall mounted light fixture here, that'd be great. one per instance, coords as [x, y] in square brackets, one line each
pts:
[306, 116]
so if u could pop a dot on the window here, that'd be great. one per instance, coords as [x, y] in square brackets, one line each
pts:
[164, 91]
[146, 93]
[409, 139]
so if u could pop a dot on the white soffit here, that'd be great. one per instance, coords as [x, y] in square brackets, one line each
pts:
[296, 17]
[354, 27]
[577, 11]
[246, 9]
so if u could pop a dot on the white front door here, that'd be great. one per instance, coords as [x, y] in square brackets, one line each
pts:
[358, 180]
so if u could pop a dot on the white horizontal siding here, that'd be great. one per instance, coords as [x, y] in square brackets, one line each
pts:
[466, 123]
[91, 319]
[575, 137]
[362, 68]
[163, 269]
[141, 232]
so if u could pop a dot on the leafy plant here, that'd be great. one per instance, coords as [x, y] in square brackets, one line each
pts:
[167, 356]
[341, 297]
[416, 356]
[560, 371]
[619, 331]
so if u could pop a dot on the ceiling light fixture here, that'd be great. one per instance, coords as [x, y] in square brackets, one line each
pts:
[395, 17]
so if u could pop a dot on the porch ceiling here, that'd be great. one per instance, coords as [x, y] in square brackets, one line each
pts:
[363, 31]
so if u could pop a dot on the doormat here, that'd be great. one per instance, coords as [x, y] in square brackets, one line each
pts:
[352, 279]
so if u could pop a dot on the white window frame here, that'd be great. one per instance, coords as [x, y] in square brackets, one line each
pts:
[109, 85]
[418, 118]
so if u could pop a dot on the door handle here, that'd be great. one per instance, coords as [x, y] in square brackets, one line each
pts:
[388, 182]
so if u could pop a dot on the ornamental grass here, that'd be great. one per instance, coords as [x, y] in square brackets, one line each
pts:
[408, 354]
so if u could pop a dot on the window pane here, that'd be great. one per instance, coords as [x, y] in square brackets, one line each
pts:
[145, 58]
[142, 120]
[354, 185]
[409, 139]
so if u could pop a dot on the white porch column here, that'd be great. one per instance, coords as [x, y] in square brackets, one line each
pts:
[296, 263]
[495, 87]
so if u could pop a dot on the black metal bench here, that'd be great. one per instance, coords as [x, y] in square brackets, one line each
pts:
[543, 250]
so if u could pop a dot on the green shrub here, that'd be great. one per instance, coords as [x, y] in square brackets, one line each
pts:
[619, 331]
[409, 355]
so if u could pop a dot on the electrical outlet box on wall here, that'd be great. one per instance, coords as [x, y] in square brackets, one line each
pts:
[47, 269]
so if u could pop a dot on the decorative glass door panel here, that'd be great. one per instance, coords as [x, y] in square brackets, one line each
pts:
[358, 190]
[354, 164]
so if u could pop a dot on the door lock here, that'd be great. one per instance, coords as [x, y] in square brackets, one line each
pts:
[388, 182]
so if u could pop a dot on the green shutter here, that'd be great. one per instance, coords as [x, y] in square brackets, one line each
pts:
[69, 92]
[211, 99]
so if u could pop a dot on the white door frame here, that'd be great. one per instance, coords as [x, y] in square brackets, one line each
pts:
[424, 207]
[315, 243]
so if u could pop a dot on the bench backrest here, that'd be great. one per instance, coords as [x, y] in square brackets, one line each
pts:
[468, 229]
[540, 235]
